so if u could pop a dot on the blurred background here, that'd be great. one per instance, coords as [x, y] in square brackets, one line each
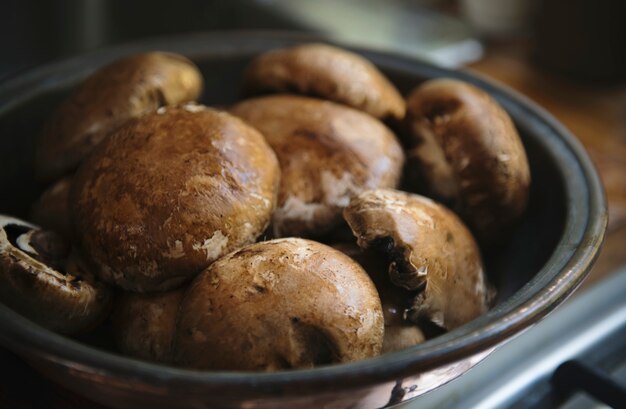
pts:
[581, 39]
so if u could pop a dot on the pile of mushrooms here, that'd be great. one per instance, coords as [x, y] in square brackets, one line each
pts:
[270, 235]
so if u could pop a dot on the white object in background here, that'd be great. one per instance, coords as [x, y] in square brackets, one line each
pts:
[402, 26]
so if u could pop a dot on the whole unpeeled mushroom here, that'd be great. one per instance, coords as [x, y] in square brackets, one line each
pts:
[169, 193]
[327, 154]
[127, 88]
[280, 304]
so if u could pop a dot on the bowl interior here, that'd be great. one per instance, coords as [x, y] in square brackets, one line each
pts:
[534, 269]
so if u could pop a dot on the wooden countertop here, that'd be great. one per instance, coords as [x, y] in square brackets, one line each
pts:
[597, 116]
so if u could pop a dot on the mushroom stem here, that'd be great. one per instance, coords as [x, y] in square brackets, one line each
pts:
[402, 273]
[44, 246]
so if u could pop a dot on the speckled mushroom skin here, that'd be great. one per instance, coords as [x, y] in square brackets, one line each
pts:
[327, 154]
[144, 324]
[327, 72]
[51, 210]
[469, 153]
[280, 304]
[64, 297]
[430, 250]
[124, 89]
[395, 300]
[169, 193]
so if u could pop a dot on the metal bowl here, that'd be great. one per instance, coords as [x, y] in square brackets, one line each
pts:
[535, 270]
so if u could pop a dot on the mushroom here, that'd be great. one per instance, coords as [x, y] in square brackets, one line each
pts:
[429, 249]
[168, 193]
[51, 210]
[144, 324]
[124, 89]
[401, 336]
[327, 154]
[281, 304]
[396, 301]
[326, 72]
[41, 279]
[469, 154]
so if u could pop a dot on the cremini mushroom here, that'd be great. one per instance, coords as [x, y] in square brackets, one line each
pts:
[400, 333]
[51, 210]
[327, 154]
[41, 279]
[429, 249]
[280, 304]
[124, 89]
[401, 336]
[170, 192]
[144, 324]
[326, 72]
[469, 154]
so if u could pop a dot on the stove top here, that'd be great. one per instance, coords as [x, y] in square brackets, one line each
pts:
[573, 359]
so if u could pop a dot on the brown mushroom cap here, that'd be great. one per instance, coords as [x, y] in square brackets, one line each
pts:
[327, 72]
[469, 153]
[327, 153]
[144, 324]
[124, 89]
[51, 210]
[170, 192]
[396, 301]
[280, 304]
[399, 337]
[40, 279]
[430, 250]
